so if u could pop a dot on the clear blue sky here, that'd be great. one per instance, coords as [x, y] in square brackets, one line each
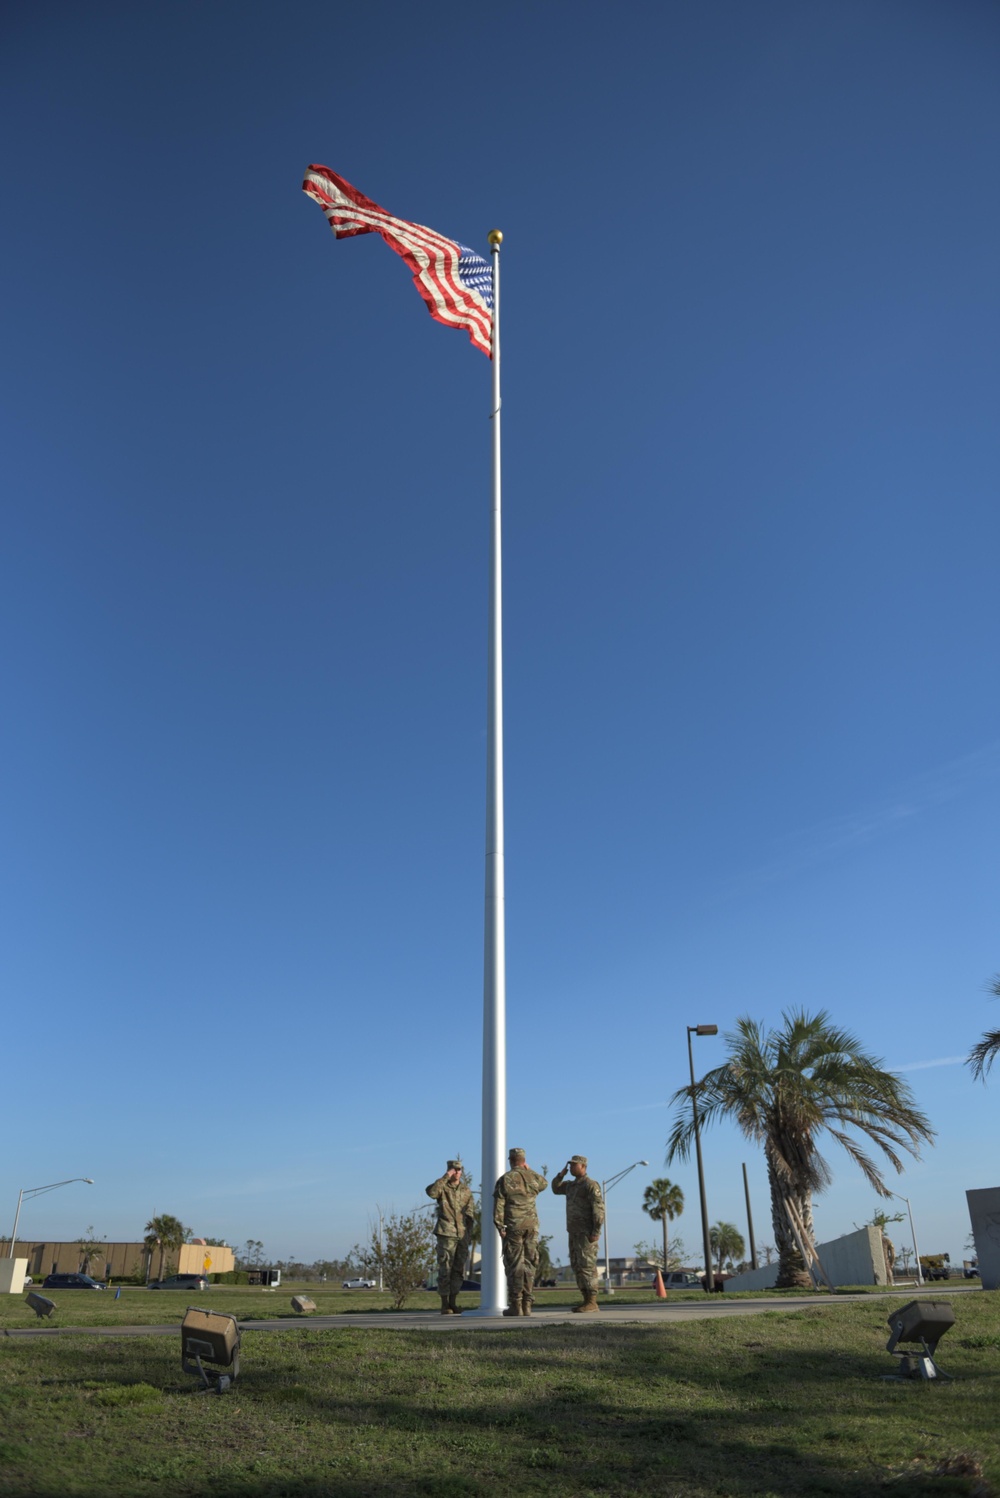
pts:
[751, 528]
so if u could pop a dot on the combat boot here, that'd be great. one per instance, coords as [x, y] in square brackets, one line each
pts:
[453, 1306]
[445, 1307]
[514, 1309]
[526, 1302]
[589, 1302]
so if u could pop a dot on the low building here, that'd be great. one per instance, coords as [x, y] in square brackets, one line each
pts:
[123, 1260]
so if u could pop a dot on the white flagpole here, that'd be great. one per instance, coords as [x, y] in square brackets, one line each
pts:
[493, 1297]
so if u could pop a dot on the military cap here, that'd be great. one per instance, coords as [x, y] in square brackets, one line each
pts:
[578, 1160]
[454, 1165]
[516, 1154]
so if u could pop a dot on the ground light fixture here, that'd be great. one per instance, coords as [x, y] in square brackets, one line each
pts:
[706, 1241]
[209, 1337]
[922, 1323]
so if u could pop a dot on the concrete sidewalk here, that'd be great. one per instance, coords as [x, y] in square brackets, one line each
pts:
[433, 1321]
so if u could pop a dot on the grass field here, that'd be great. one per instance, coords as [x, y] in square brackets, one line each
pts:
[140, 1307]
[781, 1403]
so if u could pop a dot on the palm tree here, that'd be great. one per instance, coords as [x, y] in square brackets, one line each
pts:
[983, 1055]
[782, 1088]
[663, 1201]
[726, 1242]
[88, 1246]
[166, 1233]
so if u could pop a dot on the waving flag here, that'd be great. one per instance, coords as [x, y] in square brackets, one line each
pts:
[454, 281]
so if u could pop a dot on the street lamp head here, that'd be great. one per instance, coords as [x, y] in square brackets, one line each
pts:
[87, 1181]
[643, 1162]
[705, 1029]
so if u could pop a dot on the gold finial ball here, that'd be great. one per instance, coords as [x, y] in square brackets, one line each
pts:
[495, 238]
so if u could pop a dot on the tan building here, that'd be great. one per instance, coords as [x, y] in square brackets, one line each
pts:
[121, 1260]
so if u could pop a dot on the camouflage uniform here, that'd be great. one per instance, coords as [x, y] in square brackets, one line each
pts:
[453, 1229]
[584, 1219]
[515, 1216]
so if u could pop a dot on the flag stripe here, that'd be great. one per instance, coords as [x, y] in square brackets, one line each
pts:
[433, 258]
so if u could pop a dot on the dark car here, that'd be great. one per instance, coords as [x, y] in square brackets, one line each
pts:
[180, 1282]
[70, 1282]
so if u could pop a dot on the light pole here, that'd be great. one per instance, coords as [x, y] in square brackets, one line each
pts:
[380, 1223]
[753, 1246]
[605, 1188]
[29, 1191]
[916, 1251]
[706, 1240]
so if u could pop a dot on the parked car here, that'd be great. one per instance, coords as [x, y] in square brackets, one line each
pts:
[681, 1279]
[180, 1282]
[360, 1284]
[970, 1269]
[70, 1282]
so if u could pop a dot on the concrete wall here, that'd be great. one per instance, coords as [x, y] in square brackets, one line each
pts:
[984, 1213]
[855, 1259]
[763, 1278]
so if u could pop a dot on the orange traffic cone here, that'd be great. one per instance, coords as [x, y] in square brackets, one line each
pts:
[661, 1289]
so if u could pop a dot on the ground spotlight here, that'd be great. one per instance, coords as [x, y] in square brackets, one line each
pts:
[921, 1323]
[40, 1304]
[209, 1337]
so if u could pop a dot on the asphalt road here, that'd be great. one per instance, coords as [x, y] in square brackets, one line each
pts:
[433, 1321]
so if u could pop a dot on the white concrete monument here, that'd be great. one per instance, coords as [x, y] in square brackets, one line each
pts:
[984, 1214]
[12, 1275]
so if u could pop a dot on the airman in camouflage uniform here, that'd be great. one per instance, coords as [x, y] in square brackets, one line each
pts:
[584, 1219]
[515, 1218]
[453, 1229]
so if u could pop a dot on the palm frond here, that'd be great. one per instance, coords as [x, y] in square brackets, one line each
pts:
[983, 1055]
[784, 1087]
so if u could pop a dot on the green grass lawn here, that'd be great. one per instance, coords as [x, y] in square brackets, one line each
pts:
[780, 1403]
[140, 1307]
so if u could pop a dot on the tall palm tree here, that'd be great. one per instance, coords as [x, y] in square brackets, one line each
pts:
[983, 1055]
[663, 1201]
[166, 1233]
[782, 1088]
[726, 1242]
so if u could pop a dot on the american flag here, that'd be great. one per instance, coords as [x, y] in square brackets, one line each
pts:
[455, 282]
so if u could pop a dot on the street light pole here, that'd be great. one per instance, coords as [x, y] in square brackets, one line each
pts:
[706, 1239]
[30, 1191]
[605, 1188]
[379, 1211]
[913, 1232]
[753, 1246]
